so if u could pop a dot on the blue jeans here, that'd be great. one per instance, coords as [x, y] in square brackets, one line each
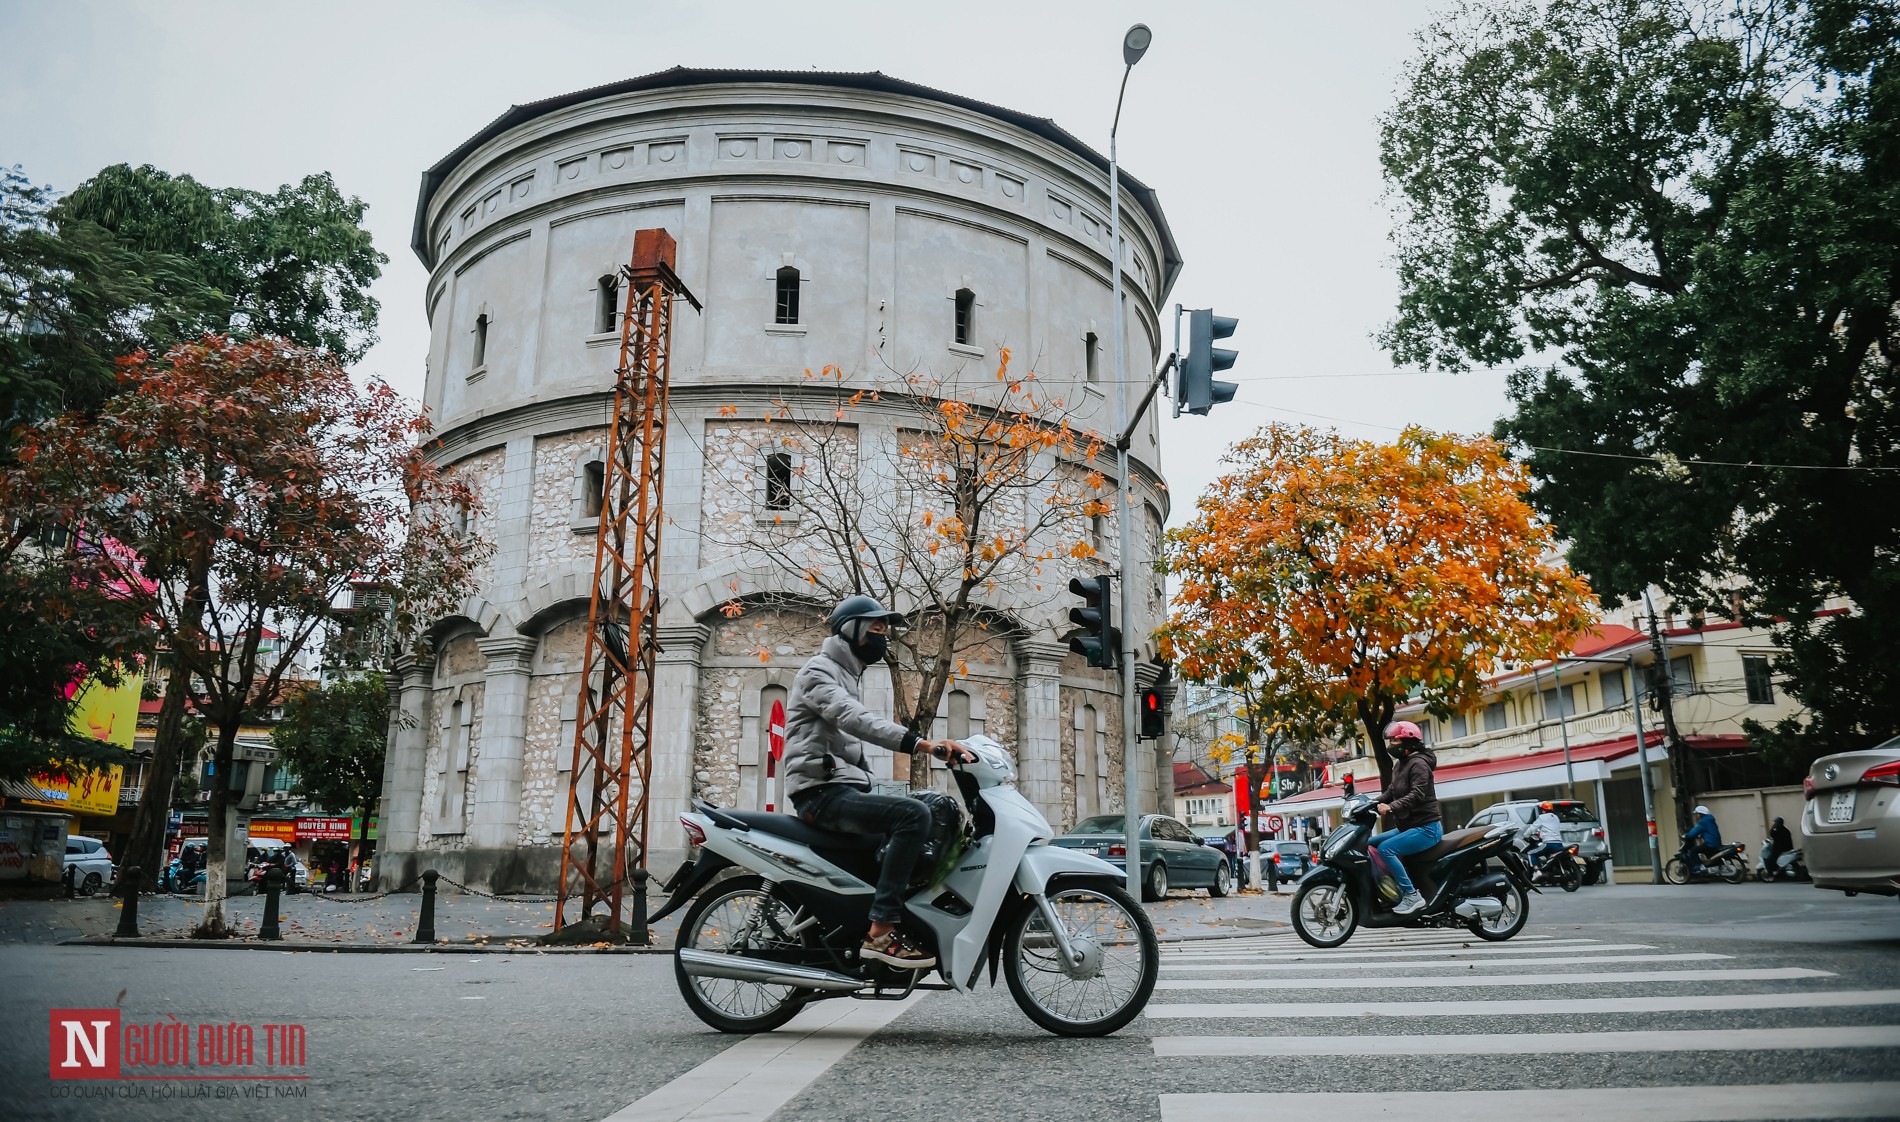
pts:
[1398, 843]
[1543, 850]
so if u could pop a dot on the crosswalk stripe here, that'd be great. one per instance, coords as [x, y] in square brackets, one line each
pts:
[1569, 1006]
[1652, 1104]
[1513, 964]
[1462, 950]
[1451, 981]
[1228, 948]
[1532, 1043]
[1370, 939]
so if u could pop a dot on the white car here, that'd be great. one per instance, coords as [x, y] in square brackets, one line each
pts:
[91, 865]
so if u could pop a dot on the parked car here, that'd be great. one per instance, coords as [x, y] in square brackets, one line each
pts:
[1292, 858]
[91, 865]
[1172, 856]
[1581, 828]
[1850, 827]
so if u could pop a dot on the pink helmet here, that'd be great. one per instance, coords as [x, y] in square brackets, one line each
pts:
[1403, 730]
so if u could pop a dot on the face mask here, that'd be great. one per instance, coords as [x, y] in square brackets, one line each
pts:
[871, 648]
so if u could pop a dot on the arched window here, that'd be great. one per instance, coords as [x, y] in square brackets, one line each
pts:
[1090, 347]
[966, 317]
[481, 341]
[607, 304]
[786, 304]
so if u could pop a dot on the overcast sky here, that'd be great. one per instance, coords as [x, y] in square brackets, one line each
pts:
[1255, 120]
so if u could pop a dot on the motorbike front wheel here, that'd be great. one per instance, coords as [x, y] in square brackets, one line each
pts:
[1676, 871]
[1324, 915]
[737, 917]
[1108, 988]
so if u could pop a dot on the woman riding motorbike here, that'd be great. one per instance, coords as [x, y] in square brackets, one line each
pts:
[1412, 802]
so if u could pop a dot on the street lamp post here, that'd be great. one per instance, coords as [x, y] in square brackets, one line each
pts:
[1134, 45]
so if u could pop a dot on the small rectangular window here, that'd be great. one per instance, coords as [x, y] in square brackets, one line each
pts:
[1559, 703]
[1615, 691]
[593, 488]
[1759, 679]
[1089, 351]
[1494, 718]
[1682, 674]
[607, 305]
[481, 341]
[786, 310]
[778, 481]
[966, 316]
[1459, 727]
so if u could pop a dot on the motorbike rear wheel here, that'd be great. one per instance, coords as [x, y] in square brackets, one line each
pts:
[1121, 959]
[1569, 877]
[1732, 870]
[736, 917]
[1324, 915]
[1517, 912]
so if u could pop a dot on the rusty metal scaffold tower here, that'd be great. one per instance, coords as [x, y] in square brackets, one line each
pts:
[604, 845]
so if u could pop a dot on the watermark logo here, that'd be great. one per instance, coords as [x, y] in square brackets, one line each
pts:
[85, 1044]
[97, 1044]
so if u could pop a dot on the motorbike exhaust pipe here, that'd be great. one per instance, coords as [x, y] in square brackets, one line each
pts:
[712, 964]
[1484, 907]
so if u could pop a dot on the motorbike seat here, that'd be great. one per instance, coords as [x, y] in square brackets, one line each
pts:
[1450, 843]
[796, 829]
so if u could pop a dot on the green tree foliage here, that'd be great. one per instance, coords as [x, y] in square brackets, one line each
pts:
[332, 739]
[1681, 220]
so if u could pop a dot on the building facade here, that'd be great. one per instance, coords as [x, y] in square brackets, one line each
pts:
[908, 230]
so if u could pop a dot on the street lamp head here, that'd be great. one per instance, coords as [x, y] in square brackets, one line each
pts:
[1135, 43]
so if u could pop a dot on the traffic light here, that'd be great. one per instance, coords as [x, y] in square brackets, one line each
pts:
[1094, 637]
[1196, 390]
[1154, 718]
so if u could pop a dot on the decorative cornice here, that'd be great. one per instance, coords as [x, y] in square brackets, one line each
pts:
[509, 654]
[682, 642]
[1040, 657]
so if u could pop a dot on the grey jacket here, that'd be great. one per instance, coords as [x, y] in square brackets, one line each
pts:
[826, 723]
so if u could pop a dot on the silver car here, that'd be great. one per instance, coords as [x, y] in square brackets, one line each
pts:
[1577, 821]
[1850, 827]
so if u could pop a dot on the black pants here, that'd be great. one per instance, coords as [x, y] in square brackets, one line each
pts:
[851, 811]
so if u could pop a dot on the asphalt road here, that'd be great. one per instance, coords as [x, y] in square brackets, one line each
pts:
[459, 1036]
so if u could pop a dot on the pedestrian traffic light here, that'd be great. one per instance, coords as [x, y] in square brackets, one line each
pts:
[1196, 390]
[1094, 638]
[1154, 718]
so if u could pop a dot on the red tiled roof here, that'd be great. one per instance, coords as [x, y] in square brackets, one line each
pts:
[1605, 636]
[1190, 779]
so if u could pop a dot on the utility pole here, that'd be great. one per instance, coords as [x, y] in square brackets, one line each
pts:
[1642, 769]
[1665, 685]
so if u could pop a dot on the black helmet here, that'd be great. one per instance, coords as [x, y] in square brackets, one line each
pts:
[859, 607]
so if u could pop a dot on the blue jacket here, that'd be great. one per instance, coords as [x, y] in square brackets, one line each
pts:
[1705, 831]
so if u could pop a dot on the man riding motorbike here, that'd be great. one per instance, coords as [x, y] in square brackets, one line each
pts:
[1547, 832]
[1780, 841]
[828, 779]
[1705, 837]
[1412, 801]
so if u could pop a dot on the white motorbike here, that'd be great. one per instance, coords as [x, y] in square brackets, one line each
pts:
[1079, 954]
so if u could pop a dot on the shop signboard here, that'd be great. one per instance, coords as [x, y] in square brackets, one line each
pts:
[323, 829]
[273, 829]
[356, 828]
[91, 792]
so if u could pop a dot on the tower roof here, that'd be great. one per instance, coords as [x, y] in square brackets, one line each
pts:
[871, 80]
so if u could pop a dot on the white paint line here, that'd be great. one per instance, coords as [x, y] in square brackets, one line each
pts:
[751, 1080]
[1459, 950]
[1569, 1006]
[1512, 964]
[1454, 981]
[1651, 1104]
[1286, 947]
[1535, 1043]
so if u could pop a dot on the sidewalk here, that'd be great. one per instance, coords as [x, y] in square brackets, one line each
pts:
[463, 921]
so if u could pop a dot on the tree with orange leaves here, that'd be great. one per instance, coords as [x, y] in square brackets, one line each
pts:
[1336, 578]
[979, 508]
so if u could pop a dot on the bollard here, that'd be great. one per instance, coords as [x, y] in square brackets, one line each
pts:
[129, 911]
[425, 924]
[273, 891]
[639, 926]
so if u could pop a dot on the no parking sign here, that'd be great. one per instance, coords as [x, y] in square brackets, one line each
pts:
[1273, 823]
